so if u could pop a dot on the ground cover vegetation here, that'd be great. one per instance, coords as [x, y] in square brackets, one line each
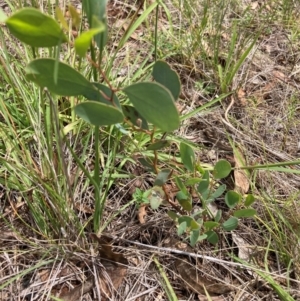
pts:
[149, 150]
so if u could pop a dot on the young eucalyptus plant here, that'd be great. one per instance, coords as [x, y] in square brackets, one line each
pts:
[147, 107]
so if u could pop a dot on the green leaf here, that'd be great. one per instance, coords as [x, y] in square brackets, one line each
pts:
[173, 215]
[190, 222]
[202, 237]
[182, 228]
[187, 156]
[232, 198]
[192, 181]
[181, 185]
[160, 144]
[230, 224]
[162, 177]
[69, 81]
[218, 215]
[83, 42]
[34, 28]
[184, 200]
[222, 169]
[209, 225]
[250, 199]
[204, 184]
[135, 117]
[249, 212]
[155, 202]
[194, 236]
[99, 114]
[217, 193]
[155, 103]
[163, 74]
[212, 237]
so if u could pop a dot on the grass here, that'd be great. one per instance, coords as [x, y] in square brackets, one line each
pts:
[222, 50]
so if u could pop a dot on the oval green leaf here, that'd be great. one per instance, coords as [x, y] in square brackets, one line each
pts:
[182, 228]
[222, 169]
[204, 184]
[232, 198]
[230, 224]
[99, 114]
[192, 181]
[250, 199]
[249, 212]
[194, 236]
[69, 82]
[155, 103]
[218, 215]
[187, 156]
[212, 237]
[209, 225]
[34, 28]
[163, 74]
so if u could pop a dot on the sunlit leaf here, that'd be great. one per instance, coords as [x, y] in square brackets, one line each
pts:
[83, 42]
[34, 28]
